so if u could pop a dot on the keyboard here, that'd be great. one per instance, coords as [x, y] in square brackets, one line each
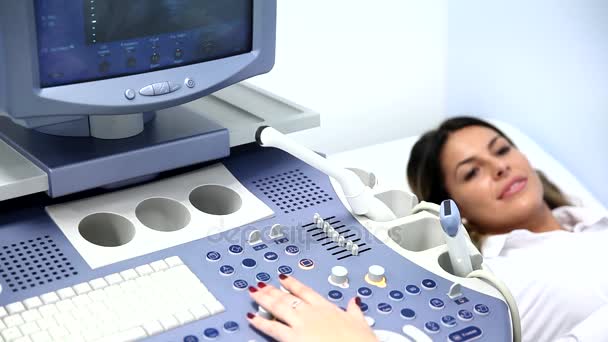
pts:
[113, 308]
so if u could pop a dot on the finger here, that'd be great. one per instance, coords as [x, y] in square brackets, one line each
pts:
[354, 310]
[278, 303]
[300, 290]
[274, 329]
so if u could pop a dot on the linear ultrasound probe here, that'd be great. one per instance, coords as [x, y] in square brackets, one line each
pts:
[455, 238]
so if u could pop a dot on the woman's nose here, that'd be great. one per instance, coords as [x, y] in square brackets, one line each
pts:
[501, 169]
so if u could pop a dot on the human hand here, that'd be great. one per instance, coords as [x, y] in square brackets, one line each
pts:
[304, 315]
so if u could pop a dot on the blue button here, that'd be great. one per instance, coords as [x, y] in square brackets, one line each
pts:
[448, 321]
[465, 315]
[249, 263]
[408, 314]
[235, 249]
[262, 276]
[226, 270]
[211, 333]
[334, 295]
[292, 250]
[260, 247]
[396, 295]
[432, 327]
[466, 334]
[436, 303]
[240, 284]
[429, 284]
[385, 308]
[190, 338]
[214, 256]
[271, 256]
[412, 289]
[364, 292]
[461, 300]
[231, 326]
[307, 263]
[364, 307]
[284, 269]
[482, 309]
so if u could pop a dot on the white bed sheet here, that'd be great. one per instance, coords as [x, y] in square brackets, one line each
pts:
[388, 161]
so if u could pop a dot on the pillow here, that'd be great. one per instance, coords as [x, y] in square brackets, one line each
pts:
[388, 161]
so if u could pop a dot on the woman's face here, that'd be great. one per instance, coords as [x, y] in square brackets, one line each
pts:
[493, 183]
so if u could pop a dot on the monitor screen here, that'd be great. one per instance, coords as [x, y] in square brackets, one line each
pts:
[87, 40]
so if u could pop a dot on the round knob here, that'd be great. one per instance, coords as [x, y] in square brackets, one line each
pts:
[263, 313]
[339, 275]
[375, 273]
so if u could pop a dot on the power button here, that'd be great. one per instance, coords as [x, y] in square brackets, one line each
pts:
[190, 83]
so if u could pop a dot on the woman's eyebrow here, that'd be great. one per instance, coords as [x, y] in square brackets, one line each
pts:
[470, 159]
[491, 143]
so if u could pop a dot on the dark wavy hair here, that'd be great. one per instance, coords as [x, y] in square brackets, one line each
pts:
[425, 176]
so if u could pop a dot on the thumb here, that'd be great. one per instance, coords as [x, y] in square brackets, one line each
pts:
[354, 310]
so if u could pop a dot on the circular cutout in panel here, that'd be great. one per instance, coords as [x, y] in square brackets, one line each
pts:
[106, 229]
[163, 214]
[215, 200]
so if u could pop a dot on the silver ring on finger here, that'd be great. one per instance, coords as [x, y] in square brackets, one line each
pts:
[295, 303]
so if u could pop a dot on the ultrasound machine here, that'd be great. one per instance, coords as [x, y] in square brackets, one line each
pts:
[141, 191]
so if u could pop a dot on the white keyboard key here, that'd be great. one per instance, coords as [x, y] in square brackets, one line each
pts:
[41, 336]
[47, 323]
[58, 333]
[134, 334]
[31, 315]
[82, 301]
[200, 312]
[169, 322]
[82, 288]
[113, 278]
[184, 317]
[144, 270]
[32, 303]
[13, 320]
[29, 328]
[49, 298]
[47, 311]
[129, 274]
[21, 339]
[159, 265]
[15, 308]
[2, 325]
[11, 334]
[174, 261]
[65, 305]
[98, 284]
[153, 328]
[3, 312]
[66, 293]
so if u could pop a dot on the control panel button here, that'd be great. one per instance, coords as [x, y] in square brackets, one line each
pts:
[174, 86]
[334, 295]
[363, 307]
[235, 249]
[432, 327]
[370, 321]
[231, 326]
[276, 231]
[240, 284]
[292, 250]
[396, 295]
[147, 91]
[190, 83]
[412, 289]
[213, 256]
[306, 264]
[429, 284]
[271, 256]
[339, 275]
[375, 273]
[226, 270]
[255, 237]
[408, 314]
[448, 321]
[364, 292]
[385, 308]
[263, 277]
[436, 303]
[190, 338]
[467, 334]
[155, 58]
[211, 333]
[284, 269]
[130, 94]
[465, 315]
[249, 263]
[161, 88]
[481, 309]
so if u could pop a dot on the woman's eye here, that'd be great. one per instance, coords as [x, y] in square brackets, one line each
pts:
[504, 150]
[469, 175]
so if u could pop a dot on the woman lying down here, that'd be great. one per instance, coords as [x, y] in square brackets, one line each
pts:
[550, 254]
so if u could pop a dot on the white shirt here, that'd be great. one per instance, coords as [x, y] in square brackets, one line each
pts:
[560, 278]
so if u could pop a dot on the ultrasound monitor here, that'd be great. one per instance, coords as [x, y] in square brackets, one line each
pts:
[62, 62]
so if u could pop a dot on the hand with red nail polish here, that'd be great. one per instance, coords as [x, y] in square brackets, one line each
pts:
[303, 315]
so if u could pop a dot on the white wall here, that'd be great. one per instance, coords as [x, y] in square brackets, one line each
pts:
[541, 65]
[375, 71]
